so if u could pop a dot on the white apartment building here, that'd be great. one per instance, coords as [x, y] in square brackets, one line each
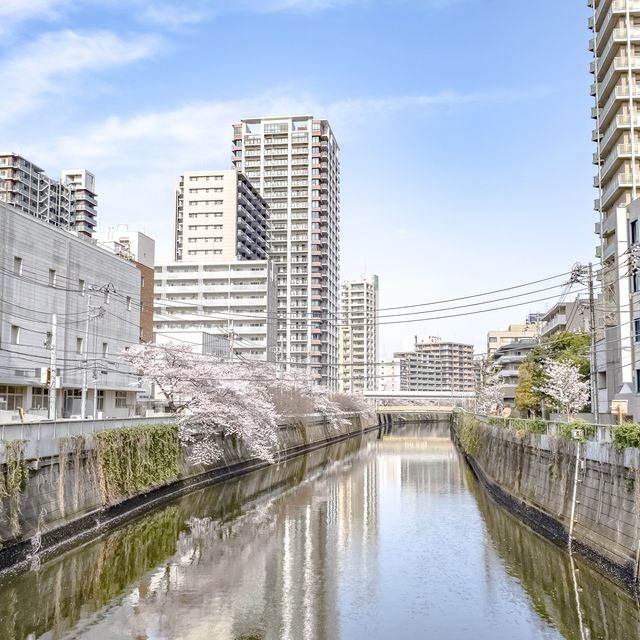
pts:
[389, 375]
[94, 296]
[358, 343]
[616, 91]
[436, 366]
[69, 203]
[234, 299]
[294, 162]
[200, 342]
[220, 215]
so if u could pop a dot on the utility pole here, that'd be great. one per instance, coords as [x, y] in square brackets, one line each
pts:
[52, 369]
[85, 348]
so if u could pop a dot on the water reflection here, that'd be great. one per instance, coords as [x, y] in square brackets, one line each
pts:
[366, 539]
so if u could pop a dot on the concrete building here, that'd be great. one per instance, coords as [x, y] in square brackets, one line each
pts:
[234, 299]
[566, 316]
[139, 249]
[389, 375]
[616, 92]
[69, 203]
[201, 342]
[506, 363]
[293, 161]
[94, 296]
[497, 339]
[219, 215]
[436, 366]
[358, 345]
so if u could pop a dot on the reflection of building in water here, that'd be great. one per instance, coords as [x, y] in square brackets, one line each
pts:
[403, 457]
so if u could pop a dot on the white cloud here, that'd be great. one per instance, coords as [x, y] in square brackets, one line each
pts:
[138, 159]
[15, 11]
[49, 64]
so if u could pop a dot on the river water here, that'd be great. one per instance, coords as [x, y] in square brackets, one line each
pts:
[367, 539]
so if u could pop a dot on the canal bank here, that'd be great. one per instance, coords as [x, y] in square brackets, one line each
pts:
[583, 496]
[366, 539]
[90, 484]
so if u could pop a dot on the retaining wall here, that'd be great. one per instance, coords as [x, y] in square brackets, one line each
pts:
[62, 496]
[534, 476]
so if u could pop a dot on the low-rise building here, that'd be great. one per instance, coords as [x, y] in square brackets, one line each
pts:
[389, 375]
[497, 339]
[236, 299]
[505, 364]
[565, 316]
[68, 309]
[139, 249]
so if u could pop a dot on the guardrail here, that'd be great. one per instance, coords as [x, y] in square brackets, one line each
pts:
[47, 429]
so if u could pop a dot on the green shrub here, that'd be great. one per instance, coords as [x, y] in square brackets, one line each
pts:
[536, 425]
[566, 430]
[470, 434]
[626, 435]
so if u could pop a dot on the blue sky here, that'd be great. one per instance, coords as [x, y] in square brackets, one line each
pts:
[463, 124]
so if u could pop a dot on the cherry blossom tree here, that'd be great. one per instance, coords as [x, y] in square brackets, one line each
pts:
[215, 398]
[491, 397]
[565, 386]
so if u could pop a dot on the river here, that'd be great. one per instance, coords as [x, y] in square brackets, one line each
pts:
[366, 539]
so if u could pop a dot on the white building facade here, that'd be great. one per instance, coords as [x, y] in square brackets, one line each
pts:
[235, 299]
[616, 92]
[69, 203]
[219, 215]
[358, 344]
[294, 162]
[94, 296]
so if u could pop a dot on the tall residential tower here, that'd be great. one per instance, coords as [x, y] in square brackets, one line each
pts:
[358, 353]
[616, 90]
[293, 162]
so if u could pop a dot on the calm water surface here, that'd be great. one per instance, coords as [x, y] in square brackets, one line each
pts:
[366, 539]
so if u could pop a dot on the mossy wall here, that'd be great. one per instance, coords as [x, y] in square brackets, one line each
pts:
[90, 473]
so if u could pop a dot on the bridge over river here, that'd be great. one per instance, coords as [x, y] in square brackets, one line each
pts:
[379, 536]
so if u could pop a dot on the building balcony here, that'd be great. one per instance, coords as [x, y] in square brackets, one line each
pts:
[619, 66]
[607, 52]
[606, 20]
[619, 153]
[615, 187]
[615, 129]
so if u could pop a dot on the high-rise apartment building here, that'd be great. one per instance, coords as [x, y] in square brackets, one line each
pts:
[220, 214]
[69, 203]
[293, 161]
[616, 89]
[358, 345]
[501, 337]
[436, 366]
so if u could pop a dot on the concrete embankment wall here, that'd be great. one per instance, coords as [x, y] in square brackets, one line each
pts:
[62, 495]
[534, 476]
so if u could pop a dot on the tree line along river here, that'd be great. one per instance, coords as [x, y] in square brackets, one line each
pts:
[369, 538]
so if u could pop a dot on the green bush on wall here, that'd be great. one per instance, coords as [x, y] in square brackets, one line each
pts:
[133, 459]
[470, 434]
[626, 435]
[566, 430]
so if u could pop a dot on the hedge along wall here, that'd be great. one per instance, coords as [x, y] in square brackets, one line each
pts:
[533, 475]
[92, 472]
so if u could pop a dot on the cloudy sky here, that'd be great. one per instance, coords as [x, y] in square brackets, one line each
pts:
[463, 124]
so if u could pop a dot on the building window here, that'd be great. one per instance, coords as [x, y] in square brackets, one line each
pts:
[107, 296]
[121, 399]
[15, 334]
[635, 282]
[52, 277]
[637, 380]
[105, 349]
[100, 400]
[636, 329]
[634, 231]
[128, 303]
[81, 286]
[17, 265]
[39, 398]
[79, 345]
[10, 397]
